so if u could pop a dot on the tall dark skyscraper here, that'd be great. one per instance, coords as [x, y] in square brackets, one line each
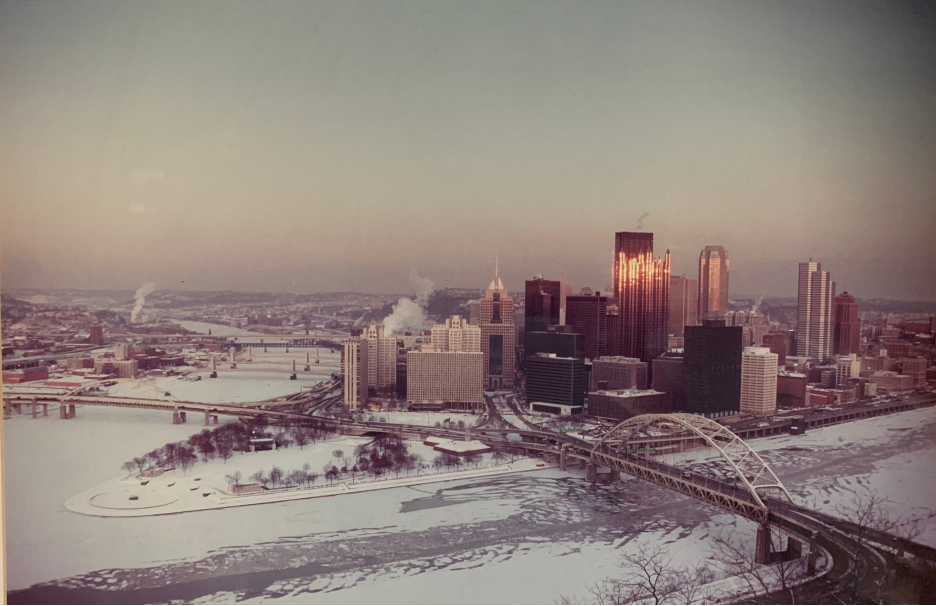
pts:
[641, 291]
[588, 316]
[712, 367]
[542, 304]
[683, 304]
[846, 331]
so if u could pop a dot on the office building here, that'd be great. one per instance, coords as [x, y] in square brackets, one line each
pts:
[558, 340]
[847, 367]
[713, 369]
[618, 372]
[683, 304]
[354, 369]
[888, 380]
[97, 335]
[777, 343]
[449, 371]
[846, 332]
[542, 304]
[587, 315]
[456, 335]
[791, 389]
[914, 368]
[622, 404]
[497, 334]
[758, 381]
[713, 283]
[122, 351]
[551, 379]
[669, 377]
[641, 291]
[814, 306]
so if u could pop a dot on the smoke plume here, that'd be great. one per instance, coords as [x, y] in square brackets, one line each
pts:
[410, 314]
[640, 221]
[757, 305]
[140, 299]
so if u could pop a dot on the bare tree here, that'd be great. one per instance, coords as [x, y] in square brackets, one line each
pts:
[129, 466]
[301, 438]
[651, 577]
[276, 475]
[760, 579]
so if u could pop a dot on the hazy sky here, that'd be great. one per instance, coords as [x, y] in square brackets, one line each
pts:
[341, 145]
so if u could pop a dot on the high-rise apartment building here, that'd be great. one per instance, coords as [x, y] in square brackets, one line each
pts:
[587, 315]
[846, 332]
[354, 370]
[381, 360]
[713, 283]
[712, 366]
[641, 291]
[758, 381]
[814, 312]
[448, 372]
[683, 304]
[498, 335]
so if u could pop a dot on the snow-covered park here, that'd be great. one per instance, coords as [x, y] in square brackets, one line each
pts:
[549, 533]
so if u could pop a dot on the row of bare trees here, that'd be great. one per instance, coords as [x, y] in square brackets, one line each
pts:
[223, 441]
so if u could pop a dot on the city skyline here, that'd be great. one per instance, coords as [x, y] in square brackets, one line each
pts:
[311, 148]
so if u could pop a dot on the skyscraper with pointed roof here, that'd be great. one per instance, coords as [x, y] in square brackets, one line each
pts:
[495, 317]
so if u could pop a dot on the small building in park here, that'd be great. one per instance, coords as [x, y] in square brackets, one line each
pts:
[258, 444]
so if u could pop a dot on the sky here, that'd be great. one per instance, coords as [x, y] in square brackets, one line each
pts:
[334, 146]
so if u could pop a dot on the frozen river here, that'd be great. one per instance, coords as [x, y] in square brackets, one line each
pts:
[524, 538]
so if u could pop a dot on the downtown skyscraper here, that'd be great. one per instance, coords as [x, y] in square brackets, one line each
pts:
[814, 307]
[641, 291]
[713, 283]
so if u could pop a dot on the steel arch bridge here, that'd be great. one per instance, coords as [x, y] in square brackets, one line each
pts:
[759, 482]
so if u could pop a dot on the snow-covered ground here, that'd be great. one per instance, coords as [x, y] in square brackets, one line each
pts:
[206, 485]
[227, 387]
[519, 538]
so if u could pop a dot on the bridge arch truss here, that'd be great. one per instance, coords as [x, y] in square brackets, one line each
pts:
[749, 468]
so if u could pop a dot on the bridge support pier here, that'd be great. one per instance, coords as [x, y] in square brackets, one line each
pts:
[71, 411]
[6, 410]
[214, 419]
[591, 472]
[207, 418]
[63, 410]
[45, 409]
[35, 407]
[563, 456]
[762, 547]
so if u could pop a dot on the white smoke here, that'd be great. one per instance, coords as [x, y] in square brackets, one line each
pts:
[140, 299]
[757, 305]
[409, 314]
